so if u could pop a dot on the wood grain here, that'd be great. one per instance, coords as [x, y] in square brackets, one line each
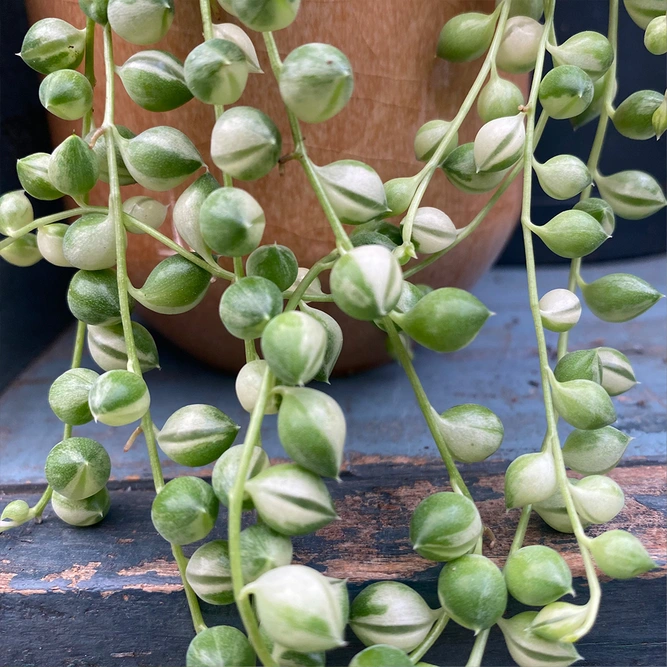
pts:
[399, 85]
[62, 579]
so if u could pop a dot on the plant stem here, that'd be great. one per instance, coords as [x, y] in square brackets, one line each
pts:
[455, 124]
[321, 265]
[527, 234]
[477, 653]
[417, 654]
[552, 433]
[458, 485]
[234, 521]
[521, 528]
[47, 220]
[342, 240]
[89, 70]
[214, 270]
[116, 214]
[191, 596]
[596, 148]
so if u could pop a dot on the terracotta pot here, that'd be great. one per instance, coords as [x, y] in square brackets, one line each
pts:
[399, 85]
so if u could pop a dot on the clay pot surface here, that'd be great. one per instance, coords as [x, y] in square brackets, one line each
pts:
[399, 85]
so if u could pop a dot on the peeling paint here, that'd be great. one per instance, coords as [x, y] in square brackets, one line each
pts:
[75, 574]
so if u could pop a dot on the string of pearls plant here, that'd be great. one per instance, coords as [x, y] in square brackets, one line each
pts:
[292, 614]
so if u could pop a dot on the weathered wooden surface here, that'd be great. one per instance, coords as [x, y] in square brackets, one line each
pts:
[116, 590]
[499, 370]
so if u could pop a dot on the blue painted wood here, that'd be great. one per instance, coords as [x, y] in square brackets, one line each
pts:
[499, 370]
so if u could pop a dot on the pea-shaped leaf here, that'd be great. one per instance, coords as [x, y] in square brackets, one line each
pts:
[560, 310]
[527, 648]
[67, 94]
[155, 80]
[445, 320]
[73, 168]
[108, 349]
[620, 555]
[594, 452]
[84, 512]
[90, 242]
[174, 286]
[462, 172]
[245, 143]
[68, 396]
[582, 403]
[50, 243]
[77, 468]
[118, 398]
[444, 526]
[216, 71]
[294, 345]
[52, 44]
[520, 45]
[265, 15]
[466, 36]
[33, 173]
[472, 591]
[429, 137]
[226, 469]
[311, 427]
[633, 194]
[196, 435]
[529, 479]
[291, 499]
[619, 297]
[537, 575]
[141, 21]
[159, 158]
[315, 81]
[248, 305]
[185, 510]
[307, 618]
[231, 222]
[389, 612]
[366, 282]
[220, 645]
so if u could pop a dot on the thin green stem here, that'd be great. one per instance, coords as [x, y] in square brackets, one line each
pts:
[234, 522]
[477, 653]
[116, 214]
[552, 434]
[342, 240]
[89, 70]
[455, 124]
[40, 505]
[321, 265]
[521, 528]
[417, 654]
[214, 270]
[47, 220]
[527, 234]
[596, 148]
[191, 596]
[458, 485]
